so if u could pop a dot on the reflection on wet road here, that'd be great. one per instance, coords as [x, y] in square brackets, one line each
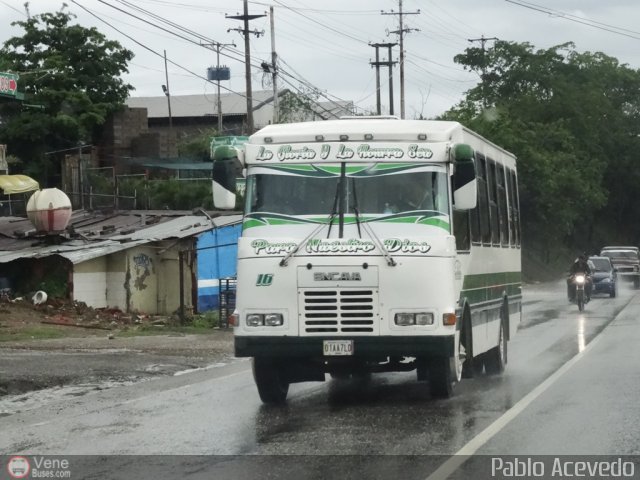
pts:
[219, 412]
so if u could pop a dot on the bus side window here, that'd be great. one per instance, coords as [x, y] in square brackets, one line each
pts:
[493, 202]
[474, 218]
[461, 229]
[502, 206]
[516, 207]
[483, 200]
[511, 208]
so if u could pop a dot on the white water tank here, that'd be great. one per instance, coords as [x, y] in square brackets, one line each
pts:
[49, 210]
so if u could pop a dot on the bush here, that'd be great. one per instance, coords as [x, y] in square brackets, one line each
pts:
[206, 320]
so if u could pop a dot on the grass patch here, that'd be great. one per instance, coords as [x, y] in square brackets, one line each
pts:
[148, 330]
[35, 332]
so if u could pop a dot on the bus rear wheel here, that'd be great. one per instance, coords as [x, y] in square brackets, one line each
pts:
[272, 385]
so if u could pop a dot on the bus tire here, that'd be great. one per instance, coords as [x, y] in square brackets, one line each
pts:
[441, 379]
[471, 366]
[496, 358]
[272, 385]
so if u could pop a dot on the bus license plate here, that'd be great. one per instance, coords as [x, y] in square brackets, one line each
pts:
[337, 347]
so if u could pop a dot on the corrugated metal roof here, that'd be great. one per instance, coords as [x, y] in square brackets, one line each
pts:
[95, 241]
[177, 228]
[75, 251]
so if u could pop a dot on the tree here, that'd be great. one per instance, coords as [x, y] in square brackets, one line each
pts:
[573, 121]
[71, 80]
[298, 107]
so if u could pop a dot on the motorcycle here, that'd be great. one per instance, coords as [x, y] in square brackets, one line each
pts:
[579, 281]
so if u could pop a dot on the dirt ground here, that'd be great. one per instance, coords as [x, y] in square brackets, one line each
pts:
[67, 347]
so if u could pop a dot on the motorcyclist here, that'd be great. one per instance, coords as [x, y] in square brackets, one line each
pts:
[580, 265]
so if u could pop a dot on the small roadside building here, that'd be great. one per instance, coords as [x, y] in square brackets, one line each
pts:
[142, 261]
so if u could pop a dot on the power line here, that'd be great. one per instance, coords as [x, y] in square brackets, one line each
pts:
[150, 49]
[400, 32]
[157, 17]
[572, 18]
[339, 32]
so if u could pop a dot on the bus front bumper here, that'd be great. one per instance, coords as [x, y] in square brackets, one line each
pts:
[363, 347]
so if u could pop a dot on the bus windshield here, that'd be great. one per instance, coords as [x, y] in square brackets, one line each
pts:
[372, 189]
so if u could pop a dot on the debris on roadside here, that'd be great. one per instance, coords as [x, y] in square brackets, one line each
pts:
[19, 312]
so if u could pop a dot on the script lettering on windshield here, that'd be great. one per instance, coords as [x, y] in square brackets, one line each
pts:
[363, 151]
[340, 246]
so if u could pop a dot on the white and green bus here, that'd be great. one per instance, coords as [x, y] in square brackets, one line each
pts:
[373, 245]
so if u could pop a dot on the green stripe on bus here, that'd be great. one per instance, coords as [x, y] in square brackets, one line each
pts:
[490, 286]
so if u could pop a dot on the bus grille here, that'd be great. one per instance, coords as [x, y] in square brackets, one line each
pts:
[339, 311]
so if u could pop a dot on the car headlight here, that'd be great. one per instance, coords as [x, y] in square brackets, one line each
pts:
[417, 318]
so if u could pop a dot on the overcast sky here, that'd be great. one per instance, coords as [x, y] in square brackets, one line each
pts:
[327, 43]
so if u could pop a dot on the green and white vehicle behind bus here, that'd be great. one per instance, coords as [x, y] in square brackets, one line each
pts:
[373, 245]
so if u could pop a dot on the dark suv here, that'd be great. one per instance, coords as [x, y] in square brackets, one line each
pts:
[626, 261]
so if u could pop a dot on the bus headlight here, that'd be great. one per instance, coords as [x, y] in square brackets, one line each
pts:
[264, 319]
[424, 318]
[255, 320]
[273, 319]
[417, 318]
[404, 319]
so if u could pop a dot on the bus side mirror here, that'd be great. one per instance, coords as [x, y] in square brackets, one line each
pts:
[465, 186]
[226, 169]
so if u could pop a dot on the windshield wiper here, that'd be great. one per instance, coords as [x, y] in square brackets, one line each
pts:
[283, 262]
[355, 205]
[390, 261]
[334, 209]
[332, 216]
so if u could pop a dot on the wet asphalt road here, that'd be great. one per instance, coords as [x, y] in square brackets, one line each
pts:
[560, 394]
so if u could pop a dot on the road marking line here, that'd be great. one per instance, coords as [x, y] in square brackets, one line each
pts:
[462, 455]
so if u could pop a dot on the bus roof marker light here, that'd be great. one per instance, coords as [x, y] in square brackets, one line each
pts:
[368, 136]
[268, 140]
[422, 136]
[319, 138]
[344, 138]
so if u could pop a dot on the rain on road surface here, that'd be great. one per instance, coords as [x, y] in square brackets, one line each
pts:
[218, 412]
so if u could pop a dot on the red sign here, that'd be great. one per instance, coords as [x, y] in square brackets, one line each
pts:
[8, 83]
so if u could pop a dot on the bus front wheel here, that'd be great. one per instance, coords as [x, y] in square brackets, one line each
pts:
[445, 372]
[270, 380]
[496, 358]
[441, 377]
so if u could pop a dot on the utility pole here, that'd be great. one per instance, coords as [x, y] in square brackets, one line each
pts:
[219, 46]
[274, 60]
[400, 32]
[389, 63]
[165, 89]
[247, 57]
[483, 41]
